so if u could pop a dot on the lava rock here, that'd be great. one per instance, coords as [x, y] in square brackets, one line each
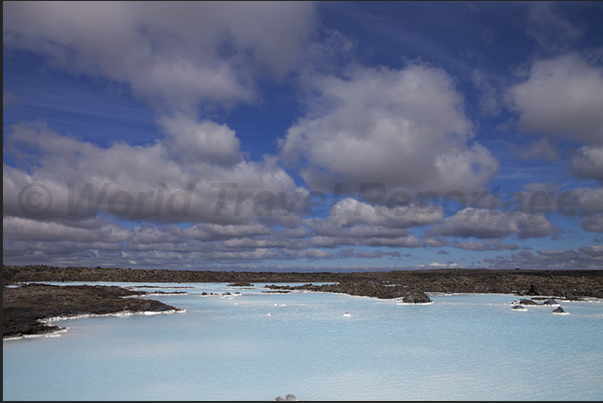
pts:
[241, 284]
[416, 297]
[23, 307]
[533, 290]
[569, 284]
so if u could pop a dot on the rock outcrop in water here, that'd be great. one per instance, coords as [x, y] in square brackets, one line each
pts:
[416, 297]
[527, 302]
[240, 284]
[545, 301]
[374, 289]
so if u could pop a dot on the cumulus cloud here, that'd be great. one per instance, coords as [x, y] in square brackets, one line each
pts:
[539, 198]
[173, 54]
[349, 212]
[175, 179]
[191, 142]
[588, 163]
[593, 223]
[98, 233]
[88, 216]
[87, 189]
[351, 222]
[563, 98]
[590, 200]
[71, 202]
[487, 223]
[435, 241]
[402, 128]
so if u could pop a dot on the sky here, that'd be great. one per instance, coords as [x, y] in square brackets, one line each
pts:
[286, 136]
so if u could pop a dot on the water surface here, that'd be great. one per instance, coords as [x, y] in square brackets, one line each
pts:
[258, 345]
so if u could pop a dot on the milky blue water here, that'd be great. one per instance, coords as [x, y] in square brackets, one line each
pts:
[461, 347]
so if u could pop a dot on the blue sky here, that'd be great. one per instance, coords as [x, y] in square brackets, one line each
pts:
[303, 136]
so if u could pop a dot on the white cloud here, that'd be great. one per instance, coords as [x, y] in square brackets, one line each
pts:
[593, 223]
[238, 233]
[100, 233]
[435, 241]
[138, 172]
[590, 203]
[402, 128]
[190, 142]
[488, 223]
[349, 212]
[175, 54]
[436, 264]
[588, 163]
[590, 200]
[562, 97]
[351, 222]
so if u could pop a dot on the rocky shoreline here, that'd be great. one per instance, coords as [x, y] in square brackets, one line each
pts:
[567, 284]
[28, 308]
[27, 304]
